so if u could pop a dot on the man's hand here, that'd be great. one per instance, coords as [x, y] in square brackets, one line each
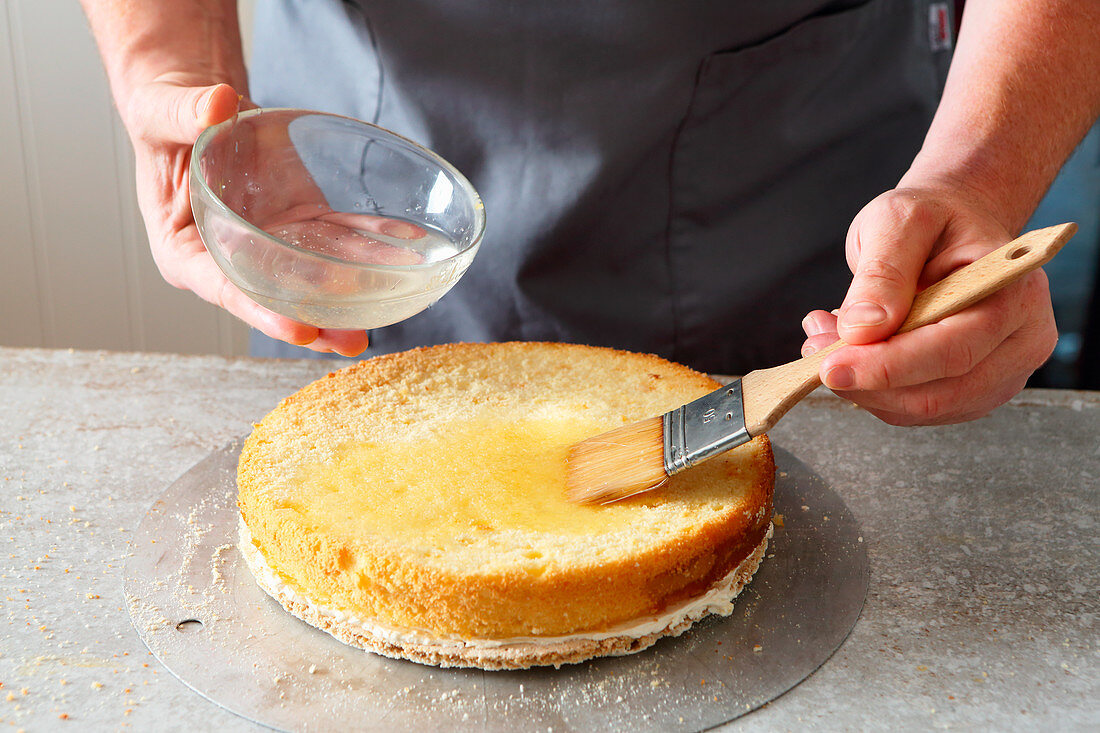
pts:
[164, 118]
[1021, 93]
[176, 68]
[955, 370]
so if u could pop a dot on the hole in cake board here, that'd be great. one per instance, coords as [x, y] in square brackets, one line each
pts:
[189, 626]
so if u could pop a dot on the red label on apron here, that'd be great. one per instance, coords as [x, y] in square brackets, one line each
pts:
[939, 26]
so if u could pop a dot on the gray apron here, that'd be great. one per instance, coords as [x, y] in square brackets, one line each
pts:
[665, 177]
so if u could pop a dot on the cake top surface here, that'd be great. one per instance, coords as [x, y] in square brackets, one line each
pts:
[456, 454]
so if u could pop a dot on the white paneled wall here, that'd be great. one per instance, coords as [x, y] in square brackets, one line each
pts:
[76, 269]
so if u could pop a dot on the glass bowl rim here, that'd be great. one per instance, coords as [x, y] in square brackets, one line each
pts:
[195, 176]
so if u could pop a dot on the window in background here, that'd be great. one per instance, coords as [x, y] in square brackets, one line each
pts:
[1075, 196]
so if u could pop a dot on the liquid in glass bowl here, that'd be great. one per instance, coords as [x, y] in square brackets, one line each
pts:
[331, 221]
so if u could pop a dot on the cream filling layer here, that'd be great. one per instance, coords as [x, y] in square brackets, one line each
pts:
[717, 600]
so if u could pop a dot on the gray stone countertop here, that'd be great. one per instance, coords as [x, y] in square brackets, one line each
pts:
[985, 569]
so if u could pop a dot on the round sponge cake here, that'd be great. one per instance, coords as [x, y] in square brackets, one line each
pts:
[413, 505]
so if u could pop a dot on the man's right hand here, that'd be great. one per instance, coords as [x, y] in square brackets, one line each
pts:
[164, 117]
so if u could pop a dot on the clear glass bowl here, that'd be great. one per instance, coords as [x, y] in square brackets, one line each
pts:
[331, 221]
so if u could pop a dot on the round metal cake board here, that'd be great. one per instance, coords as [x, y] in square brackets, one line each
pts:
[197, 608]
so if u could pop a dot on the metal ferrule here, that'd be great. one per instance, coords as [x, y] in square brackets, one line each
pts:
[710, 425]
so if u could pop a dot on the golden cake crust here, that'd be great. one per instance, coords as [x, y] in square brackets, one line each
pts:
[493, 581]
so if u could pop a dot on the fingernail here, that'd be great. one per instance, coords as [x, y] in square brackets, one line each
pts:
[863, 313]
[809, 326]
[840, 377]
[204, 102]
[401, 230]
[808, 350]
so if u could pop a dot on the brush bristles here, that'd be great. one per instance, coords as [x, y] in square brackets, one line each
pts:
[617, 464]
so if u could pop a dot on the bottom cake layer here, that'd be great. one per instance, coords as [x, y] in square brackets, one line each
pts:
[516, 653]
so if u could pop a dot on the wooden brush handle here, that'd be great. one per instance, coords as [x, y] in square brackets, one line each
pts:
[769, 393]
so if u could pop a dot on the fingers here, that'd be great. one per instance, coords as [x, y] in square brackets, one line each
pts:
[888, 246]
[954, 400]
[950, 348]
[217, 104]
[377, 224]
[345, 343]
[298, 212]
[173, 113]
[955, 370]
[820, 328]
[199, 274]
[343, 243]
[952, 259]
[196, 270]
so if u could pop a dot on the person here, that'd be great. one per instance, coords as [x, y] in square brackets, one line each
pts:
[674, 178]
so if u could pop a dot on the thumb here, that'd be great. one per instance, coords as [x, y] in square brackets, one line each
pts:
[888, 246]
[171, 112]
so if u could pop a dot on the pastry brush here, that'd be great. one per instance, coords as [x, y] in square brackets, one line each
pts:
[641, 456]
